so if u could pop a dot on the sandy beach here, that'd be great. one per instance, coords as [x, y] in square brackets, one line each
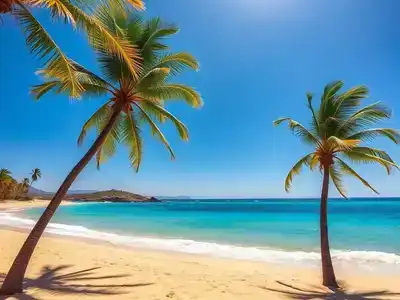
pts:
[67, 268]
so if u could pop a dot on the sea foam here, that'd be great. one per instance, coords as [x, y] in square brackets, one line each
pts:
[342, 257]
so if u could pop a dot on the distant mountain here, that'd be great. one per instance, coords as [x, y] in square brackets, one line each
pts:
[36, 192]
[100, 196]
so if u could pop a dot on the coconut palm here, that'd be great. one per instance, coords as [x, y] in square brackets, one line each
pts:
[78, 14]
[132, 102]
[22, 188]
[338, 130]
[35, 175]
[5, 179]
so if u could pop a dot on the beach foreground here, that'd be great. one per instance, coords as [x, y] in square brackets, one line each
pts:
[64, 268]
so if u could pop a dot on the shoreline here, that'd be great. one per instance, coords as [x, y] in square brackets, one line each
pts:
[148, 274]
[110, 271]
[349, 261]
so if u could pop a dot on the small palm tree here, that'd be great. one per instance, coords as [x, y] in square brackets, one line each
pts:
[133, 102]
[76, 13]
[337, 131]
[5, 179]
[35, 175]
[23, 187]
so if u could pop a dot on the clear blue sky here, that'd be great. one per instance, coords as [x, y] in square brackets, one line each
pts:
[258, 58]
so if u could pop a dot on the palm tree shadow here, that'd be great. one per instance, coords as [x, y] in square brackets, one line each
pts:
[315, 292]
[56, 281]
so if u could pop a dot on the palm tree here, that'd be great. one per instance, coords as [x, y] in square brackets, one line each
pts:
[22, 188]
[132, 102]
[5, 179]
[76, 13]
[35, 175]
[338, 129]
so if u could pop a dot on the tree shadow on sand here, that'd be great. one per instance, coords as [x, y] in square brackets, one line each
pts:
[316, 292]
[55, 280]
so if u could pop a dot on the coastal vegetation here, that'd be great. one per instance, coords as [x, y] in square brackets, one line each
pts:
[339, 129]
[134, 100]
[80, 16]
[10, 188]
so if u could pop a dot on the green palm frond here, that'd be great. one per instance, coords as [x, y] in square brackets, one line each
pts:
[104, 39]
[315, 121]
[336, 177]
[40, 90]
[155, 130]
[96, 120]
[153, 77]
[363, 118]
[345, 168]
[174, 92]
[109, 147]
[177, 62]
[347, 102]
[154, 32]
[130, 136]
[371, 155]
[370, 134]
[58, 65]
[160, 113]
[296, 170]
[299, 130]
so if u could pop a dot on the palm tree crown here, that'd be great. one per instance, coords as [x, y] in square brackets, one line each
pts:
[79, 15]
[138, 100]
[36, 174]
[338, 130]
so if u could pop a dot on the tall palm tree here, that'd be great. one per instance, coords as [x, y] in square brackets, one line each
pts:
[338, 130]
[35, 175]
[132, 102]
[78, 14]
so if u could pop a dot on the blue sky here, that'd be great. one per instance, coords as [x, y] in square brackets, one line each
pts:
[258, 58]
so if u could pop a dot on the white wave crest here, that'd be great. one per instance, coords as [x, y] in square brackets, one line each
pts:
[213, 249]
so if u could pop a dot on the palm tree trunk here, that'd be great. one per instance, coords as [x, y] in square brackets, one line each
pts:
[328, 273]
[13, 282]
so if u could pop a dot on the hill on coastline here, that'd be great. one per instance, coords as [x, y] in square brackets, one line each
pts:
[99, 196]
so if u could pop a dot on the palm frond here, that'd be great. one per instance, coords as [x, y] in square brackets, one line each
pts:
[109, 147]
[338, 145]
[154, 31]
[161, 114]
[57, 65]
[57, 9]
[370, 134]
[315, 122]
[177, 62]
[348, 170]
[299, 130]
[153, 77]
[130, 136]
[371, 155]
[102, 37]
[96, 120]
[337, 180]
[155, 130]
[174, 92]
[347, 102]
[296, 170]
[364, 117]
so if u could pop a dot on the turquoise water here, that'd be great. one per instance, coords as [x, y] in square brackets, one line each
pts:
[360, 229]
[287, 224]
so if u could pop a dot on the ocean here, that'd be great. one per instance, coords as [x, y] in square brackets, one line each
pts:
[364, 233]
